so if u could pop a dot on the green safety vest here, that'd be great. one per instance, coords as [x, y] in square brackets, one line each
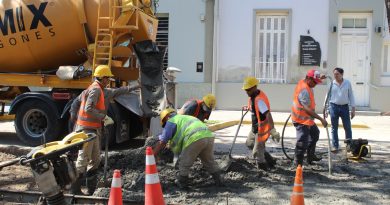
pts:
[189, 129]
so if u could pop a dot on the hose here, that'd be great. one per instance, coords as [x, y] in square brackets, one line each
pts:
[283, 148]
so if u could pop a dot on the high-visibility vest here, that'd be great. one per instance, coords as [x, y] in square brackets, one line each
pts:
[86, 120]
[198, 106]
[298, 114]
[188, 130]
[263, 127]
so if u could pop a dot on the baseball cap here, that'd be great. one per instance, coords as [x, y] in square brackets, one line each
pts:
[315, 74]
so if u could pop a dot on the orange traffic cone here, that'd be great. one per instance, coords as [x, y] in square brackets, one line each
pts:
[116, 189]
[297, 194]
[153, 191]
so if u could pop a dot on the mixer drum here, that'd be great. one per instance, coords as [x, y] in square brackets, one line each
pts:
[39, 35]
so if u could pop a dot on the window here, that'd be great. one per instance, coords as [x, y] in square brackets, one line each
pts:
[162, 35]
[354, 23]
[271, 48]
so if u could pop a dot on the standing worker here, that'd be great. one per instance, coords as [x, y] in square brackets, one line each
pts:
[262, 123]
[90, 109]
[200, 109]
[341, 97]
[188, 138]
[303, 114]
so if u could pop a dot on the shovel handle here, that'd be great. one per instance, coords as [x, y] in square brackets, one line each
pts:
[238, 128]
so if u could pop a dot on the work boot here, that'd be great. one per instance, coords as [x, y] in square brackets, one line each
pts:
[182, 182]
[217, 179]
[311, 157]
[91, 181]
[75, 188]
[270, 160]
[263, 166]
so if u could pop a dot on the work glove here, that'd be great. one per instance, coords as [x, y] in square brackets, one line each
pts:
[107, 121]
[275, 135]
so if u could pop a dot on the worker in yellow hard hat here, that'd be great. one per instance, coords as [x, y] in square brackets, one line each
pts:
[200, 109]
[188, 138]
[262, 124]
[89, 112]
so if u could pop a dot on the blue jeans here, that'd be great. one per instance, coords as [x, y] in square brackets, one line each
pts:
[337, 111]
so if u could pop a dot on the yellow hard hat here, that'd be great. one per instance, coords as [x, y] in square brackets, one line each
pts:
[102, 71]
[210, 101]
[249, 82]
[165, 113]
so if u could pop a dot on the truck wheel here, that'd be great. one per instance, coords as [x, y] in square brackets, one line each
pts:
[35, 118]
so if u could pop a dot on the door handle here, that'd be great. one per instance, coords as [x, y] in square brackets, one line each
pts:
[359, 83]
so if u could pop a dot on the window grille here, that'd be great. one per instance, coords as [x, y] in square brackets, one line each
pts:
[271, 48]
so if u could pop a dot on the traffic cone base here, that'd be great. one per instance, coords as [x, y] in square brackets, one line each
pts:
[297, 197]
[116, 189]
[153, 191]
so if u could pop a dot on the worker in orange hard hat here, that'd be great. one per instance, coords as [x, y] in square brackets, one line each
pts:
[303, 114]
[89, 111]
[262, 124]
[200, 109]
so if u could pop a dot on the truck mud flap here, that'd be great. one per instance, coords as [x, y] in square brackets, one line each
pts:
[151, 60]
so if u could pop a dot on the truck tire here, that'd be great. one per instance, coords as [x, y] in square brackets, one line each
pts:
[35, 118]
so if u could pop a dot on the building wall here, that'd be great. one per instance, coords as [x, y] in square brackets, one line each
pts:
[375, 7]
[236, 34]
[377, 100]
[236, 48]
[191, 25]
[190, 41]
[187, 37]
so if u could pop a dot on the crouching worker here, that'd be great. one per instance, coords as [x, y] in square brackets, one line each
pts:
[200, 109]
[188, 138]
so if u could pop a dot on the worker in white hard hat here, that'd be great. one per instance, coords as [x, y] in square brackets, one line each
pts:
[262, 124]
[200, 109]
[89, 112]
[189, 138]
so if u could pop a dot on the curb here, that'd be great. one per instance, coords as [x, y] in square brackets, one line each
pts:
[222, 125]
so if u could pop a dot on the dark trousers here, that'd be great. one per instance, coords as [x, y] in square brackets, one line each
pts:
[336, 112]
[307, 137]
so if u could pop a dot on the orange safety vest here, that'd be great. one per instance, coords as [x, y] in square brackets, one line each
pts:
[197, 110]
[86, 120]
[298, 114]
[263, 126]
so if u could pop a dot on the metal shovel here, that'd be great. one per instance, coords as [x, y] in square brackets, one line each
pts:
[103, 182]
[227, 161]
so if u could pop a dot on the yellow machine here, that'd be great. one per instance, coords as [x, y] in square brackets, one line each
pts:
[42, 41]
[52, 165]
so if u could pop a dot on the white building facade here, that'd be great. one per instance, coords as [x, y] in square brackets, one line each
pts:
[277, 42]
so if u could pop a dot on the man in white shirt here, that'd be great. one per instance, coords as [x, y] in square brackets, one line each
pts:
[340, 99]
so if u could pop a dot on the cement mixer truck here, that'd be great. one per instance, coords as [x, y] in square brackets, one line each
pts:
[49, 49]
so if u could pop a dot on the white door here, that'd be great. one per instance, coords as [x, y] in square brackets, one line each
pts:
[356, 64]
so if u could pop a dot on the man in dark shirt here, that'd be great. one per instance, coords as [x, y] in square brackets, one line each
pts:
[200, 109]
